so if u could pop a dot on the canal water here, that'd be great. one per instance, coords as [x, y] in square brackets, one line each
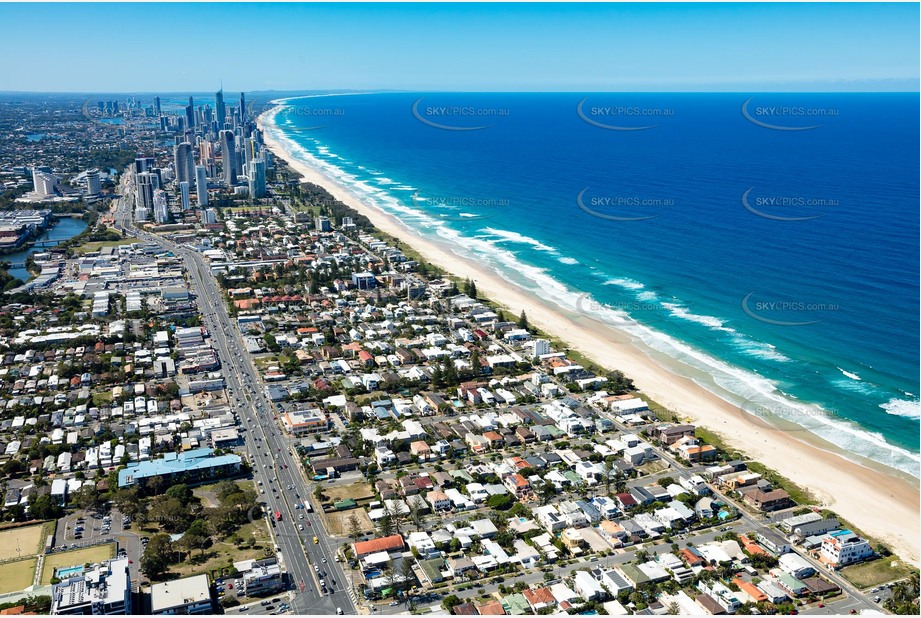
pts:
[65, 228]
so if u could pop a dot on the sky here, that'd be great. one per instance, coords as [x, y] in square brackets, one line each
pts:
[450, 47]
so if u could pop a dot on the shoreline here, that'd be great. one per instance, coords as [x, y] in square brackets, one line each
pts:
[881, 503]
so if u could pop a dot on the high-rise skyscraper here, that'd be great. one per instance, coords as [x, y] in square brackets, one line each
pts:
[184, 195]
[146, 183]
[242, 107]
[221, 112]
[160, 206]
[184, 163]
[190, 115]
[143, 164]
[201, 184]
[256, 169]
[249, 150]
[228, 158]
[93, 184]
[209, 215]
[157, 105]
[43, 182]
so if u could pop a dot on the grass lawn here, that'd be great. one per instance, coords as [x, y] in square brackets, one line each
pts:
[208, 493]
[21, 542]
[880, 571]
[97, 245]
[102, 398]
[94, 554]
[223, 554]
[15, 576]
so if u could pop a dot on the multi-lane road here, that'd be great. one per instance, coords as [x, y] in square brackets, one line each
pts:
[275, 470]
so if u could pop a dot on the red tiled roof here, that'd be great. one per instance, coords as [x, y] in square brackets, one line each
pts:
[387, 543]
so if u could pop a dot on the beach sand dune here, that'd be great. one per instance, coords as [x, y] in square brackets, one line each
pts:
[883, 505]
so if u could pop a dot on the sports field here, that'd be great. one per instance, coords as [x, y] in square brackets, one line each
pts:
[16, 576]
[21, 542]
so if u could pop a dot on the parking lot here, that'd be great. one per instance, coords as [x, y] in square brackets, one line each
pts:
[83, 528]
[277, 605]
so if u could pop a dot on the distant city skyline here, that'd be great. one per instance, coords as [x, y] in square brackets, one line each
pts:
[474, 47]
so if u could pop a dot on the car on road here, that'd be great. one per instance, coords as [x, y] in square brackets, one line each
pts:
[315, 540]
[393, 604]
[338, 611]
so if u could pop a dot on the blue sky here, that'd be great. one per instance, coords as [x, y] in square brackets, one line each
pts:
[543, 47]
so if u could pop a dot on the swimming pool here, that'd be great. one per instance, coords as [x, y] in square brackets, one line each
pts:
[64, 573]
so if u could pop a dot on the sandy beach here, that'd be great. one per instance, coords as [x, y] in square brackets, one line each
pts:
[880, 504]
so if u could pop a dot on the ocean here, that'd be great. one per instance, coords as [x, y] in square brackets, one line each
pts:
[764, 245]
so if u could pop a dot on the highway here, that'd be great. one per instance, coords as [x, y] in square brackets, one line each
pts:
[279, 472]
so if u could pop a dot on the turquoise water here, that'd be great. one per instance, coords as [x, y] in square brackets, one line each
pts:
[68, 572]
[776, 268]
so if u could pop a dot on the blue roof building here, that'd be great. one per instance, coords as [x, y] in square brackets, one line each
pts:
[190, 466]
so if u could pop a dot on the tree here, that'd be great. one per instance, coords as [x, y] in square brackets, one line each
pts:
[87, 497]
[407, 577]
[171, 514]
[417, 514]
[388, 574]
[354, 526]
[157, 556]
[270, 343]
[618, 382]
[904, 597]
[500, 502]
[181, 492]
[665, 481]
[128, 501]
[197, 536]
[547, 492]
[523, 320]
[386, 525]
[44, 507]
[450, 601]
[156, 485]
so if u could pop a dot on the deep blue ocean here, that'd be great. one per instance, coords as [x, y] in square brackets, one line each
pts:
[771, 246]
